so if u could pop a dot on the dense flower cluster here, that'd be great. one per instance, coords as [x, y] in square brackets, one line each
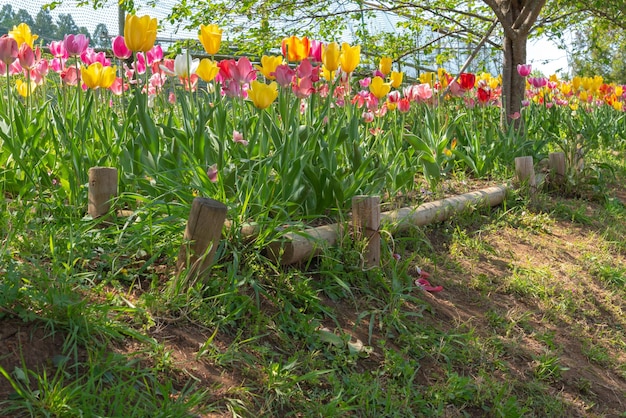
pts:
[305, 67]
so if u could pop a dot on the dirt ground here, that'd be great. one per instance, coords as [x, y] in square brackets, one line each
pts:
[32, 346]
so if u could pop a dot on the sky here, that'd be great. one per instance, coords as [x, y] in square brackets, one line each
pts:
[544, 55]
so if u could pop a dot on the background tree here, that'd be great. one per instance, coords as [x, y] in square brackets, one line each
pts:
[22, 16]
[101, 36]
[45, 27]
[7, 18]
[66, 26]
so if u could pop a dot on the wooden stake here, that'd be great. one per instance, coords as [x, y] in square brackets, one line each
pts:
[366, 225]
[202, 236]
[102, 188]
[557, 167]
[525, 172]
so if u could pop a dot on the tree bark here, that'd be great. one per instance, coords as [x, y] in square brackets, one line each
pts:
[517, 18]
[513, 85]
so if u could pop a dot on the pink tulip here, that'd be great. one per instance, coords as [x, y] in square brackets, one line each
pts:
[393, 96]
[70, 76]
[238, 138]
[116, 88]
[57, 65]
[89, 56]
[284, 75]
[154, 55]
[140, 63]
[304, 88]
[15, 68]
[212, 173]
[365, 82]
[75, 44]
[538, 82]
[57, 49]
[120, 50]
[315, 51]
[8, 50]
[240, 71]
[26, 56]
[524, 70]
[378, 73]
[404, 105]
[368, 117]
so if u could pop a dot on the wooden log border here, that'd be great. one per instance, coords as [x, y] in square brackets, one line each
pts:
[294, 247]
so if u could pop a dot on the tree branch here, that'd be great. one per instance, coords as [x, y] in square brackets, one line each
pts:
[508, 29]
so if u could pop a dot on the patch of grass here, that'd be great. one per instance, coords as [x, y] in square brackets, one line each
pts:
[106, 385]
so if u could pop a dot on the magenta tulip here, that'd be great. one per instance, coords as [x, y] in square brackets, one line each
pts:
[8, 50]
[120, 50]
[75, 44]
[524, 70]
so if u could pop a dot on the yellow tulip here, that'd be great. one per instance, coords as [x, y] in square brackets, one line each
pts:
[494, 83]
[565, 88]
[379, 88]
[619, 90]
[207, 70]
[97, 76]
[268, 65]
[583, 96]
[576, 82]
[428, 78]
[554, 78]
[385, 65]
[22, 35]
[330, 56]
[210, 37]
[442, 76]
[140, 32]
[617, 105]
[396, 79]
[261, 94]
[24, 88]
[326, 74]
[350, 57]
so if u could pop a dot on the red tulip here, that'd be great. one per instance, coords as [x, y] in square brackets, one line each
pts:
[467, 81]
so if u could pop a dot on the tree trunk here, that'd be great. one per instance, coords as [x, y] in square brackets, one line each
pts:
[517, 18]
[513, 85]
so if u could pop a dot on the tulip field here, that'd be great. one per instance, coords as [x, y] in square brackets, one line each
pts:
[284, 141]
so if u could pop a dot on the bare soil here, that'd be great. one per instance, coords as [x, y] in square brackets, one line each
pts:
[470, 293]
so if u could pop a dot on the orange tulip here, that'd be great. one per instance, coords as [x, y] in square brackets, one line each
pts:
[296, 49]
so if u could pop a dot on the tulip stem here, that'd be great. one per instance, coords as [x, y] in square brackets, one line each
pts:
[9, 99]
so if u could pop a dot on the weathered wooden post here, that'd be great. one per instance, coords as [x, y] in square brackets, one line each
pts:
[202, 236]
[366, 225]
[102, 189]
[525, 173]
[556, 161]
